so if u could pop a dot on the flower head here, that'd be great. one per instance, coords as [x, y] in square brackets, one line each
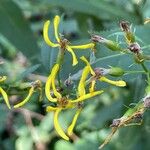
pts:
[97, 74]
[62, 104]
[62, 42]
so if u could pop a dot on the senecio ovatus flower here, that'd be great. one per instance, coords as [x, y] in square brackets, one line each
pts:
[63, 102]
[98, 75]
[3, 93]
[63, 43]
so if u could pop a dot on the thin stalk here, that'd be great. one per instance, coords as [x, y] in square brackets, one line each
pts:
[60, 58]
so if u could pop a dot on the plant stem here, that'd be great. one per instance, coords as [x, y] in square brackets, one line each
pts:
[60, 58]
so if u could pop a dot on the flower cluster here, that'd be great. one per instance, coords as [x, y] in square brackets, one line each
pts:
[86, 87]
[56, 90]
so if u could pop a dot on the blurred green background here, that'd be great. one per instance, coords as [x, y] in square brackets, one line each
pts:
[26, 57]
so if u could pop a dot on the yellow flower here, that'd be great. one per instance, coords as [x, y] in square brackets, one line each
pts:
[100, 77]
[34, 85]
[4, 94]
[81, 86]
[63, 43]
[63, 104]
[50, 83]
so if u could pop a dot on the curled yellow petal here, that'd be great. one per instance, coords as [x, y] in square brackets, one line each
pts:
[72, 125]
[86, 96]
[85, 46]
[56, 24]
[53, 75]
[4, 94]
[58, 127]
[92, 86]
[45, 35]
[51, 82]
[81, 86]
[50, 108]
[31, 91]
[117, 83]
[47, 90]
[75, 61]
[88, 64]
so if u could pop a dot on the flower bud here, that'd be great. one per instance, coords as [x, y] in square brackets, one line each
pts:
[125, 27]
[108, 43]
[116, 71]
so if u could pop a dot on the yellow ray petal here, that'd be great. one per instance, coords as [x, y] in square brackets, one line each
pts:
[3, 78]
[86, 96]
[88, 64]
[50, 108]
[92, 86]
[45, 35]
[81, 86]
[117, 83]
[4, 94]
[47, 90]
[49, 83]
[75, 61]
[85, 46]
[72, 125]
[31, 91]
[57, 94]
[56, 24]
[58, 127]
[53, 74]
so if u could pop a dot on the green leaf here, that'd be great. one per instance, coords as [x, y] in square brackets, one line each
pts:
[15, 28]
[100, 9]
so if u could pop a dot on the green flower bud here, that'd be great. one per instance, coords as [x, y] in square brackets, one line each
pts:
[113, 45]
[108, 43]
[126, 28]
[116, 71]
